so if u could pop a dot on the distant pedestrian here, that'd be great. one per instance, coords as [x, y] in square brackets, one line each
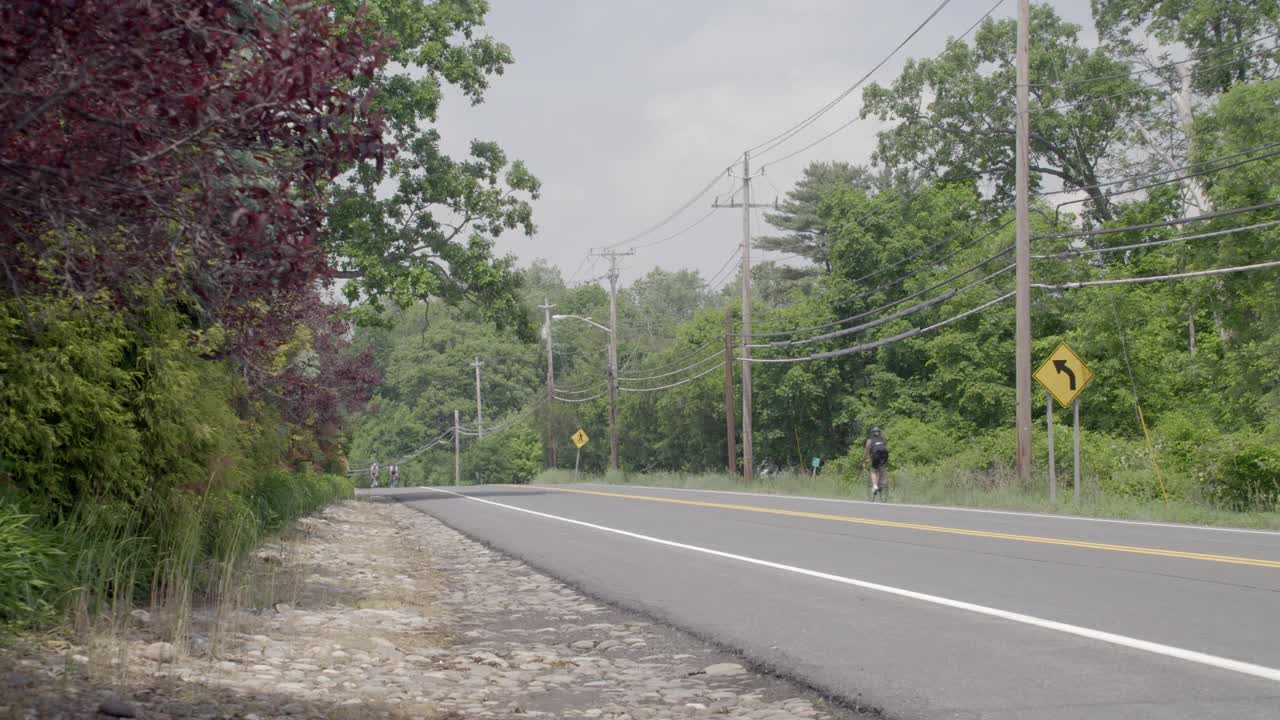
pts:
[876, 453]
[395, 476]
[374, 472]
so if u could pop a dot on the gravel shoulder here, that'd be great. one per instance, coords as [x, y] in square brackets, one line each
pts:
[374, 610]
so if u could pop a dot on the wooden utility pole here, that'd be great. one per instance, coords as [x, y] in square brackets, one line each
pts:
[731, 441]
[748, 467]
[613, 256]
[457, 451]
[551, 386]
[479, 412]
[1022, 290]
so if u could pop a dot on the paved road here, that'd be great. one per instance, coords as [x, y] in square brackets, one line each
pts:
[921, 612]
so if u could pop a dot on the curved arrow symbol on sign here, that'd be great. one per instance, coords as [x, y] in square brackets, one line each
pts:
[1061, 367]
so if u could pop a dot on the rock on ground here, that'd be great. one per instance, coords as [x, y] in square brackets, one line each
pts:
[372, 610]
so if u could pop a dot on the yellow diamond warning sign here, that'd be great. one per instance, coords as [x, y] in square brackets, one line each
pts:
[579, 439]
[1064, 375]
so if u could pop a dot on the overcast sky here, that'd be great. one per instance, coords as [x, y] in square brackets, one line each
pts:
[625, 109]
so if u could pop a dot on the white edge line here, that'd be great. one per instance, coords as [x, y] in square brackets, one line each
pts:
[950, 508]
[1238, 666]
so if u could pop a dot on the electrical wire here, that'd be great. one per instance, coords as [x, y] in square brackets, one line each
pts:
[792, 131]
[1158, 278]
[882, 286]
[860, 82]
[1147, 87]
[683, 358]
[582, 400]
[678, 233]
[727, 264]
[579, 392]
[688, 203]
[1166, 66]
[913, 332]
[1139, 176]
[410, 454]
[1172, 180]
[907, 312]
[703, 361]
[709, 370]
[1067, 254]
[1166, 223]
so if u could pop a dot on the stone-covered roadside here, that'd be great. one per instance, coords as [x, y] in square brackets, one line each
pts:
[387, 613]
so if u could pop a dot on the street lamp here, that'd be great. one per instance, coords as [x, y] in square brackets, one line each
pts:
[587, 320]
[613, 381]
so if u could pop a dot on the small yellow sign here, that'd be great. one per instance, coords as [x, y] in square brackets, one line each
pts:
[1064, 375]
[579, 439]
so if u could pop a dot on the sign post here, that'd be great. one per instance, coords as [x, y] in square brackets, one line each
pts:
[579, 439]
[1064, 376]
[816, 462]
[1075, 480]
[1053, 469]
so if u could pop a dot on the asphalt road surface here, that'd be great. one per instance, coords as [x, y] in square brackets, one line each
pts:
[921, 612]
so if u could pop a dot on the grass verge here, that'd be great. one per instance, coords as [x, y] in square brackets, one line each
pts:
[993, 490]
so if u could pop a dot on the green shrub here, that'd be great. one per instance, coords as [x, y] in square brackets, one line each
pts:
[1141, 484]
[280, 497]
[913, 442]
[514, 456]
[1183, 438]
[67, 432]
[1244, 473]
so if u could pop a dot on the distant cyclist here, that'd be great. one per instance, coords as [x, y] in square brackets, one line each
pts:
[395, 476]
[374, 472]
[876, 453]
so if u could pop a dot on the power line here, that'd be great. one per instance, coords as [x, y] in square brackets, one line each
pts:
[677, 361]
[582, 391]
[1159, 278]
[907, 312]
[1172, 180]
[709, 370]
[733, 256]
[687, 204]
[1166, 66]
[1138, 176]
[582, 400]
[807, 121]
[678, 233]
[859, 83]
[899, 279]
[913, 332]
[1067, 254]
[1166, 223]
[1144, 87]
[703, 361]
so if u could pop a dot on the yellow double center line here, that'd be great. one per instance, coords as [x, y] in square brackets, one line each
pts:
[1137, 550]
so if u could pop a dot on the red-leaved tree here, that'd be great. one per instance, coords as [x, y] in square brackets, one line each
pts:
[187, 145]
[182, 142]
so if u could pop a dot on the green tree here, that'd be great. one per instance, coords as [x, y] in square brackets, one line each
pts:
[954, 113]
[426, 228]
[798, 217]
[1225, 36]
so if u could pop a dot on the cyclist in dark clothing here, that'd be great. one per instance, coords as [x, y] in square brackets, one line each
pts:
[876, 453]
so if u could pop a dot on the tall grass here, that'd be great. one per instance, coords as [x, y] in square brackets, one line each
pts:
[994, 489]
[93, 567]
